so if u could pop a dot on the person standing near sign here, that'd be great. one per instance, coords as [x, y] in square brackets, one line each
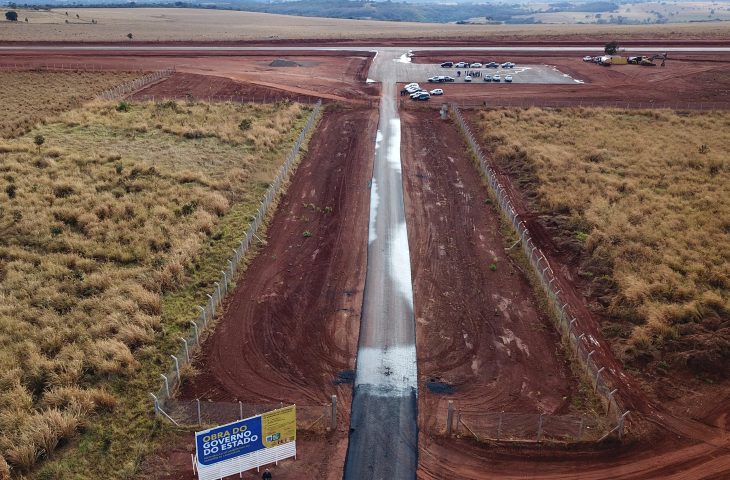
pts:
[266, 475]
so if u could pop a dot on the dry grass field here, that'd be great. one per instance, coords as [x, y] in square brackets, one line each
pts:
[110, 231]
[29, 97]
[644, 196]
[160, 24]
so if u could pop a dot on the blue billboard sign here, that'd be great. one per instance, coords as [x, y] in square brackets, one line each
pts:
[229, 441]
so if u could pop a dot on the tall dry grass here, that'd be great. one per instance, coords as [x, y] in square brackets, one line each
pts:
[27, 98]
[645, 196]
[113, 214]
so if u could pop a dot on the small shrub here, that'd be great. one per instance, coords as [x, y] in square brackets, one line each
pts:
[704, 149]
[582, 236]
[493, 267]
[11, 190]
[39, 140]
[118, 168]
[188, 208]
[245, 124]
[306, 234]
[123, 106]
[63, 190]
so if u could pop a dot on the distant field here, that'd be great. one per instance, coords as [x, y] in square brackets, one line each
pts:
[162, 24]
[109, 232]
[649, 12]
[643, 194]
[27, 97]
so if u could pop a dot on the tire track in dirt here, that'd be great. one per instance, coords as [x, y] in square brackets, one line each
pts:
[479, 331]
[679, 448]
[291, 326]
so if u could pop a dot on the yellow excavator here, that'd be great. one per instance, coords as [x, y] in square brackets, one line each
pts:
[648, 61]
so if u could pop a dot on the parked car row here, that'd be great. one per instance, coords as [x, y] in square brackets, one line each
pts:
[441, 79]
[478, 65]
[415, 91]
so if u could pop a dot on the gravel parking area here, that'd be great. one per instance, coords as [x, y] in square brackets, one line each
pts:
[541, 74]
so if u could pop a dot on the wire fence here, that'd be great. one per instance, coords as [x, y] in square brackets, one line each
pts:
[189, 343]
[531, 427]
[576, 103]
[196, 412]
[581, 341]
[260, 98]
[71, 67]
[121, 90]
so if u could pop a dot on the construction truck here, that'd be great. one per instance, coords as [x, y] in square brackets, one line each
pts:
[647, 61]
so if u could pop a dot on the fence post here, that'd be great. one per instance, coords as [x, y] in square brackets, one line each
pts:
[205, 316]
[187, 351]
[177, 368]
[598, 378]
[197, 335]
[610, 400]
[449, 417]
[621, 425]
[197, 400]
[240, 410]
[333, 413]
[157, 404]
[580, 428]
[539, 429]
[167, 384]
[499, 426]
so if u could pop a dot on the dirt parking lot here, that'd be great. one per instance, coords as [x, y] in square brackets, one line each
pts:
[689, 80]
[521, 73]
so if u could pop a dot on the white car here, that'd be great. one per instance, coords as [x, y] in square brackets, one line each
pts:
[475, 65]
[461, 65]
[496, 78]
[433, 79]
[508, 65]
[411, 88]
[418, 93]
[508, 78]
[437, 91]
[412, 85]
[467, 78]
[587, 58]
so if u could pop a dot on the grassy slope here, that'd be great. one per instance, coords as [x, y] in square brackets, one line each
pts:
[109, 235]
[647, 205]
[28, 97]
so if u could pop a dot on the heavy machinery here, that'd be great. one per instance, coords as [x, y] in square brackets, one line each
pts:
[648, 61]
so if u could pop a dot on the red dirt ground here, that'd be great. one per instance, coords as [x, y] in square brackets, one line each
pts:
[329, 75]
[213, 88]
[688, 80]
[293, 322]
[689, 438]
[478, 330]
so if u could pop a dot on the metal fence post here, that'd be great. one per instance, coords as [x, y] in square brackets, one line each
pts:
[177, 368]
[621, 423]
[157, 404]
[449, 417]
[333, 418]
[240, 410]
[499, 425]
[167, 384]
[580, 428]
[200, 422]
[539, 429]
[187, 351]
[197, 334]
